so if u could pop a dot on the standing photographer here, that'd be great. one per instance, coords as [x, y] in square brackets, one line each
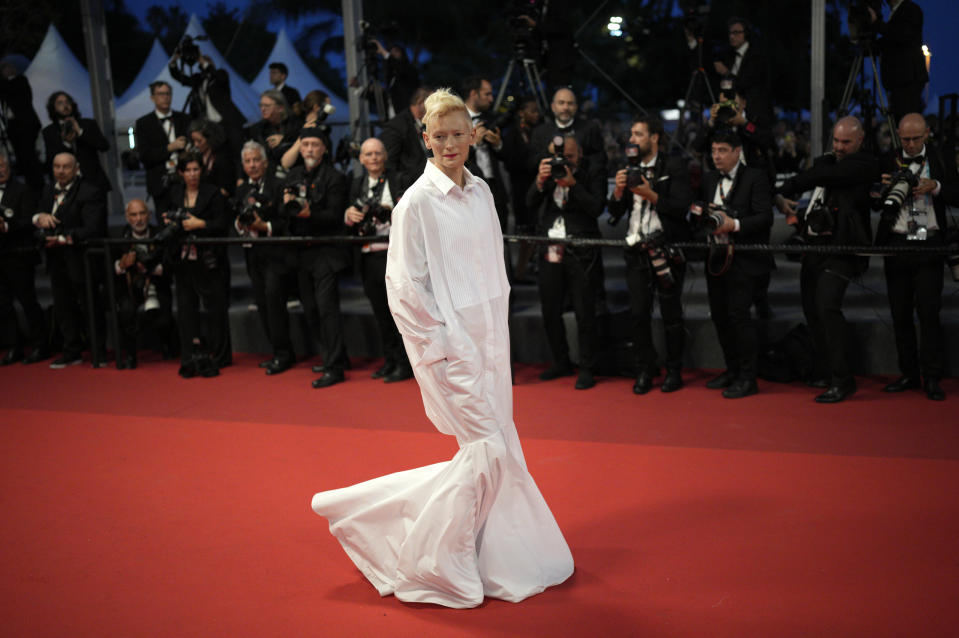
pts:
[914, 215]
[277, 130]
[573, 192]
[160, 136]
[655, 192]
[79, 136]
[838, 214]
[373, 194]
[201, 212]
[903, 67]
[739, 209]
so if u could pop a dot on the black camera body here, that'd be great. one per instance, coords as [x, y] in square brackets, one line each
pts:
[253, 205]
[661, 257]
[895, 193]
[66, 128]
[861, 26]
[558, 161]
[820, 218]
[174, 225]
[728, 109]
[189, 50]
[300, 190]
[708, 217]
[373, 213]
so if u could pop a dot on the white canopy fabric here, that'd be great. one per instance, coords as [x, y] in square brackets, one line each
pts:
[155, 63]
[300, 76]
[55, 68]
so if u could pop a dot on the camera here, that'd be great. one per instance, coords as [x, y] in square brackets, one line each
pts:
[820, 218]
[189, 50]
[174, 225]
[300, 190]
[66, 128]
[661, 257]
[503, 118]
[707, 217]
[634, 172]
[253, 205]
[728, 109]
[558, 161]
[522, 16]
[861, 26]
[900, 186]
[373, 214]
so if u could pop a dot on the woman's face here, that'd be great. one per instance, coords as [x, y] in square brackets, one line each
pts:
[191, 174]
[199, 142]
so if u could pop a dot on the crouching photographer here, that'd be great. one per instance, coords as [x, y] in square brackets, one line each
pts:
[738, 209]
[573, 192]
[838, 214]
[917, 188]
[374, 194]
[653, 190]
[143, 290]
[201, 213]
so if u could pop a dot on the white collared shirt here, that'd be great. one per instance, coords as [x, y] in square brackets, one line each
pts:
[483, 157]
[643, 219]
[740, 54]
[923, 204]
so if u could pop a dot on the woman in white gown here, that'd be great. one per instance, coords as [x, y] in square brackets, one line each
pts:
[477, 525]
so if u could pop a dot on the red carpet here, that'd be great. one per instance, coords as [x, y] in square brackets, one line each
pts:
[140, 504]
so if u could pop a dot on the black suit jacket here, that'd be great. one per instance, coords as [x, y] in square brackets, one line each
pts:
[83, 213]
[218, 91]
[292, 95]
[21, 203]
[947, 195]
[327, 194]
[749, 201]
[587, 134]
[752, 80]
[404, 146]
[900, 45]
[288, 128]
[272, 190]
[151, 143]
[584, 202]
[211, 207]
[671, 183]
[396, 181]
[87, 149]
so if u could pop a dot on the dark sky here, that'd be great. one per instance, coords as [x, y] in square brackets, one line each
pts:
[940, 19]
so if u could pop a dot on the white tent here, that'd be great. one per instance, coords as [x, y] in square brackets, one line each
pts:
[135, 104]
[55, 68]
[300, 75]
[155, 64]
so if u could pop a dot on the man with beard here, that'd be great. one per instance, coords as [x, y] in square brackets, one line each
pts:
[315, 199]
[79, 136]
[588, 135]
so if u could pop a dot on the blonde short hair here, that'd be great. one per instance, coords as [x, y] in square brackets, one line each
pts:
[443, 102]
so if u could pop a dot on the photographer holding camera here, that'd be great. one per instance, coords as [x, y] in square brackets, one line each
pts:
[143, 289]
[654, 192]
[838, 214]
[572, 190]
[314, 199]
[278, 129]
[255, 207]
[403, 137]
[200, 212]
[738, 208]
[903, 66]
[743, 61]
[753, 130]
[589, 136]
[77, 211]
[917, 189]
[79, 136]
[160, 137]
[374, 194]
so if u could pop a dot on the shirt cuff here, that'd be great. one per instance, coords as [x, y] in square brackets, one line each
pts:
[736, 225]
[116, 267]
[269, 229]
[935, 191]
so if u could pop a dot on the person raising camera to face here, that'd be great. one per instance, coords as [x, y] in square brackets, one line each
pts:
[79, 136]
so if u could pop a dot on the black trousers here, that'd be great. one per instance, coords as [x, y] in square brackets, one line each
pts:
[644, 286]
[17, 283]
[822, 286]
[730, 297]
[132, 320]
[277, 275]
[256, 269]
[914, 285]
[373, 272]
[905, 99]
[578, 275]
[69, 286]
[320, 294]
[195, 282]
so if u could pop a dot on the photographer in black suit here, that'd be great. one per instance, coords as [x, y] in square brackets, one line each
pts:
[314, 201]
[255, 207]
[403, 138]
[277, 130]
[18, 262]
[903, 65]
[564, 122]
[160, 137]
[72, 210]
[278, 75]
[79, 136]
[747, 65]
[487, 151]
[210, 97]
[915, 216]
[19, 124]
[655, 194]
[573, 193]
[737, 208]
[838, 214]
[143, 291]
[373, 195]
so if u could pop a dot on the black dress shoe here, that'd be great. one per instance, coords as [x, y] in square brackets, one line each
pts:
[933, 391]
[205, 366]
[11, 357]
[128, 362]
[644, 383]
[383, 370]
[187, 370]
[836, 393]
[556, 371]
[277, 366]
[265, 364]
[817, 383]
[740, 389]
[902, 384]
[36, 356]
[319, 369]
[399, 373]
[585, 380]
[672, 382]
[331, 377]
[724, 380]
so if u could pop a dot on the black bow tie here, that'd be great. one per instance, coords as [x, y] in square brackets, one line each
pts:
[727, 176]
[163, 118]
[918, 159]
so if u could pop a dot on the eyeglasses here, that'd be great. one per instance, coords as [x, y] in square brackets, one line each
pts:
[163, 93]
[737, 32]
